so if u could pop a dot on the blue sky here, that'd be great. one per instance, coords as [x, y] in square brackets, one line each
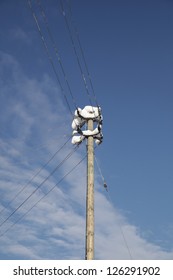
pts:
[128, 47]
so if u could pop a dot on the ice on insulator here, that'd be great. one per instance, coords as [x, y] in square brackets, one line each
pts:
[77, 112]
[77, 122]
[81, 117]
[98, 138]
[98, 141]
[75, 132]
[89, 112]
[77, 139]
[90, 132]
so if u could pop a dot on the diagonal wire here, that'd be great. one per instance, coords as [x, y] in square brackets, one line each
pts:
[39, 186]
[55, 49]
[75, 51]
[101, 174]
[34, 176]
[49, 55]
[110, 200]
[43, 197]
[83, 55]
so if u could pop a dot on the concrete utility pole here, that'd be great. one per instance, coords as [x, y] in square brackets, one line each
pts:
[90, 196]
[88, 115]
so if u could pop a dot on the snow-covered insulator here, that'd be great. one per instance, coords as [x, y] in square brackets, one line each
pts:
[77, 122]
[81, 117]
[90, 132]
[88, 112]
[77, 139]
[98, 141]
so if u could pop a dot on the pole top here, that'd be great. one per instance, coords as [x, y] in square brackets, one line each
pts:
[81, 117]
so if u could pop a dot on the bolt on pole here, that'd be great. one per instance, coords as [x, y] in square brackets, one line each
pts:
[90, 196]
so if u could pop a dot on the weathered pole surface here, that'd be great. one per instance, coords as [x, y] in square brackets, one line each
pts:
[90, 196]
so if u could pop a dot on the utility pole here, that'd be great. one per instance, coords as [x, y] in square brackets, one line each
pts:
[90, 196]
[89, 115]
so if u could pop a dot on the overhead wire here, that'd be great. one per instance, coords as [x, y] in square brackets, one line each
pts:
[77, 56]
[59, 59]
[33, 177]
[83, 55]
[42, 11]
[49, 55]
[69, 88]
[56, 53]
[75, 51]
[110, 200]
[62, 90]
[58, 56]
[36, 203]
[125, 242]
[45, 19]
[39, 186]
[101, 174]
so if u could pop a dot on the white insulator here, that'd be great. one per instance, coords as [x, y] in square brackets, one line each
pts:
[90, 132]
[81, 117]
[98, 142]
[90, 112]
[77, 122]
[77, 139]
[74, 132]
[99, 136]
[77, 112]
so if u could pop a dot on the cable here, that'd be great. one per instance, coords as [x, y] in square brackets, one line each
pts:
[35, 175]
[106, 187]
[77, 57]
[55, 49]
[82, 53]
[122, 233]
[39, 186]
[125, 241]
[75, 51]
[43, 197]
[49, 56]
[101, 174]
[56, 52]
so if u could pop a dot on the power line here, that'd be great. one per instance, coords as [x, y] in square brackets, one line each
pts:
[55, 49]
[75, 51]
[77, 56]
[57, 54]
[120, 227]
[49, 56]
[89, 232]
[83, 55]
[101, 174]
[125, 242]
[43, 197]
[39, 186]
[34, 176]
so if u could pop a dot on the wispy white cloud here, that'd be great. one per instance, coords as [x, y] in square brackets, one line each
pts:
[18, 34]
[33, 117]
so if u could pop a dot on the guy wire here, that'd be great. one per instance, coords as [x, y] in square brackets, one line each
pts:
[110, 200]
